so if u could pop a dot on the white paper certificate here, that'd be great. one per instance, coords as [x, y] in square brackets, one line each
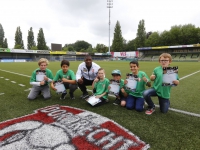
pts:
[60, 87]
[169, 75]
[131, 85]
[93, 101]
[40, 77]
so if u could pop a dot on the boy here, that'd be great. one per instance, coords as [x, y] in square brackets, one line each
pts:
[40, 79]
[68, 78]
[100, 87]
[135, 98]
[121, 98]
[163, 92]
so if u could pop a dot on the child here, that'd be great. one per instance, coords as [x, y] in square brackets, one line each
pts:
[163, 92]
[135, 98]
[40, 79]
[100, 87]
[68, 78]
[121, 97]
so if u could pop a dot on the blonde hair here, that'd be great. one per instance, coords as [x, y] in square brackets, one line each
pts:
[43, 60]
[101, 69]
[165, 55]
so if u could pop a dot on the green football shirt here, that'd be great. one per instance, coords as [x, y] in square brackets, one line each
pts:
[162, 91]
[101, 87]
[140, 87]
[49, 75]
[68, 75]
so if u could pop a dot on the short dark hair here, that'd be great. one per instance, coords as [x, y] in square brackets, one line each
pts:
[64, 62]
[87, 56]
[134, 62]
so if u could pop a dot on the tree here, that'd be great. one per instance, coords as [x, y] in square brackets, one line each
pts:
[165, 38]
[130, 46]
[153, 40]
[19, 44]
[189, 34]
[175, 33]
[30, 39]
[70, 48]
[5, 43]
[118, 40]
[141, 34]
[81, 45]
[1, 35]
[41, 45]
[101, 48]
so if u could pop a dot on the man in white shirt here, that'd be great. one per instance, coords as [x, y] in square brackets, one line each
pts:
[85, 75]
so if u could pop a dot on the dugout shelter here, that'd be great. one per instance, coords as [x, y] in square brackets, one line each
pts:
[178, 52]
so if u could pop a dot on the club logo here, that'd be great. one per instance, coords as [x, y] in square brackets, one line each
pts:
[66, 128]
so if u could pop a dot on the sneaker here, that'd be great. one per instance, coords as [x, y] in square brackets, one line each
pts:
[72, 96]
[85, 95]
[117, 101]
[63, 95]
[149, 111]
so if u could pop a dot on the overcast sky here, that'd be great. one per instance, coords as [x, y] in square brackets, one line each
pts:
[66, 21]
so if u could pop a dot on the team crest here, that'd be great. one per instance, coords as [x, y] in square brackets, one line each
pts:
[66, 128]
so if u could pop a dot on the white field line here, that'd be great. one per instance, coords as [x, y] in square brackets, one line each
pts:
[189, 75]
[15, 73]
[172, 109]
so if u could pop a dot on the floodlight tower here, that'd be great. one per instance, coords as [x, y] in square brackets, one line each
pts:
[109, 5]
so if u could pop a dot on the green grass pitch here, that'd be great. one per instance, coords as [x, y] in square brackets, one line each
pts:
[162, 131]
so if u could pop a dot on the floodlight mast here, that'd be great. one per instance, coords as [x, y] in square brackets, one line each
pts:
[109, 5]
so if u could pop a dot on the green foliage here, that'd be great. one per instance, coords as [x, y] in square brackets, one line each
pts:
[70, 48]
[117, 45]
[153, 40]
[30, 39]
[1, 36]
[5, 43]
[78, 45]
[130, 46]
[141, 34]
[19, 44]
[165, 38]
[101, 48]
[34, 48]
[41, 43]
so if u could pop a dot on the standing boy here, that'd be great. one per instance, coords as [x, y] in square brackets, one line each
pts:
[40, 79]
[163, 92]
[135, 98]
[68, 78]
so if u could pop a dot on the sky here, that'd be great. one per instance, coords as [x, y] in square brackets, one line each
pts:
[67, 21]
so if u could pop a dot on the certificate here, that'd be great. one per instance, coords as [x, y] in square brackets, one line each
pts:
[132, 82]
[169, 75]
[93, 101]
[114, 87]
[59, 87]
[40, 77]
[40, 74]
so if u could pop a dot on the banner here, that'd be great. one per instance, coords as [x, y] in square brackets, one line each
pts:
[4, 50]
[58, 52]
[22, 51]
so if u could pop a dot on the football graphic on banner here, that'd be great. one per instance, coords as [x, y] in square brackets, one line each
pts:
[66, 128]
